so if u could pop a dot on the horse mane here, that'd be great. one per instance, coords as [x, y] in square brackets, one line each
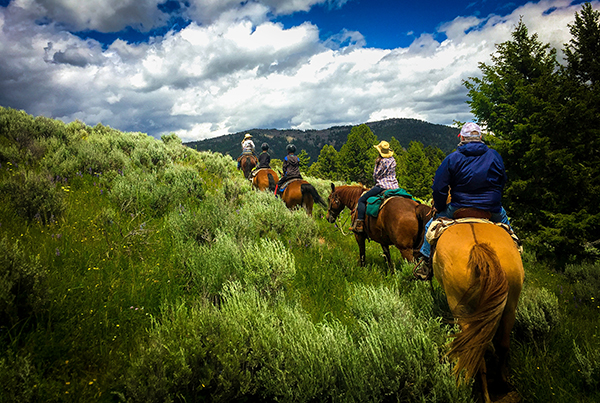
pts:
[478, 328]
[349, 194]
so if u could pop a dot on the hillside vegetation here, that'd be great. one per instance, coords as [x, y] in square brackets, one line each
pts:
[137, 270]
[313, 141]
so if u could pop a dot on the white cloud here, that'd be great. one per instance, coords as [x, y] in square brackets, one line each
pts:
[233, 69]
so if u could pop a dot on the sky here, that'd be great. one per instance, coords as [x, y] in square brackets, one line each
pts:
[206, 68]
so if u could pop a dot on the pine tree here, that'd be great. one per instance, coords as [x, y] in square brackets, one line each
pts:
[326, 166]
[304, 160]
[543, 128]
[357, 156]
[417, 172]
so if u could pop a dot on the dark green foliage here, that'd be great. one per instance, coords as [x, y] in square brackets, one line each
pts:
[35, 196]
[585, 280]
[417, 171]
[18, 378]
[537, 315]
[545, 124]
[356, 158]
[22, 288]
[304, 160]
[313, 141]
[326, 166]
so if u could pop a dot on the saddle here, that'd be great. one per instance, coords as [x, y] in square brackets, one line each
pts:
[375, 203]
[441, 224]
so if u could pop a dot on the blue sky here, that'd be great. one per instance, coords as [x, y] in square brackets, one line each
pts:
[204, 68]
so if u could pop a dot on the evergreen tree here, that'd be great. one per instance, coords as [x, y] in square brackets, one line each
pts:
[326, 166]
[357, 156]
[528, 105]
[417, 175]
[304, 160]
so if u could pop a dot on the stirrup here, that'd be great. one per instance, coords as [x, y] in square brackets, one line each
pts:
[422, 271]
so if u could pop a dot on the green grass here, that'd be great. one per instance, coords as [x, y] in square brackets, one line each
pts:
[166, 278]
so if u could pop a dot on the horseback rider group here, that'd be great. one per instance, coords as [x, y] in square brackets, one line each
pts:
[474, 173]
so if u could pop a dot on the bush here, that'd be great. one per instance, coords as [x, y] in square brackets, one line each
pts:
[18, 378]
[585, 280]
[138, 192]
[252, 348]
[35, 196]
[537, 315]
[22, 291]
[588, 362]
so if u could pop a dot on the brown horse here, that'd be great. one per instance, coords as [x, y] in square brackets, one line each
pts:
[265, 178]
[481, 272]
[400, 222]
[301, 193]
[247, 164]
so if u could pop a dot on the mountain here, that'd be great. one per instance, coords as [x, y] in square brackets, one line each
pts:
[404, 130]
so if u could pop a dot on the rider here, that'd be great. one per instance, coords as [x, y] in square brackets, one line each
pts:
[291, 167]
[264, 158]
[384, 176]
[476, 175]
[247, 148]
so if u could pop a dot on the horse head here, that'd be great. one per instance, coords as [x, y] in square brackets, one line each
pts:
[335, 205]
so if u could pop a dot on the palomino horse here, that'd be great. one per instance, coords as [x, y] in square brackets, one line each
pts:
[301, 193]
[265, 178]
[481, 272]
[400, 222]
[247, 163]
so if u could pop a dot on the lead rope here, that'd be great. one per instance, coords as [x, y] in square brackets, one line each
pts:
[341, 227]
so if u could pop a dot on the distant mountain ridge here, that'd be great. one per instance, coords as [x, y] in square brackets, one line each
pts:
[404, 130]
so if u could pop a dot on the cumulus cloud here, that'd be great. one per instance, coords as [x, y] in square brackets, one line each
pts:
[232, 69]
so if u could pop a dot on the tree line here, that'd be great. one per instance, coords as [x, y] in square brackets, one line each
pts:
[542, 116]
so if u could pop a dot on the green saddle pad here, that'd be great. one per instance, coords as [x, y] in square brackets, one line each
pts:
[374, 203]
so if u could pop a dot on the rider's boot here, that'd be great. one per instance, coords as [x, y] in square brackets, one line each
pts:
[357, 226]
[423, 270]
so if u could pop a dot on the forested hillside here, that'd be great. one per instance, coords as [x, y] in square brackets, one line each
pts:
[404, 130]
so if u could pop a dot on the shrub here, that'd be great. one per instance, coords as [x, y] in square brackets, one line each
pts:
[588, 362]
[252, 348]
[183, 181]
[585, 280]
[22, 292]
[267, 266]
[137, 192]
[35, 196]
[18, 378]
[537, 314]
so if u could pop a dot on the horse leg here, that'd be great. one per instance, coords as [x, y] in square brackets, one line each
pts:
[360, 239]
[388, 258]
[484, 384]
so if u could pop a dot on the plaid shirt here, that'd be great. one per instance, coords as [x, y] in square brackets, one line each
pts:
[385, 173]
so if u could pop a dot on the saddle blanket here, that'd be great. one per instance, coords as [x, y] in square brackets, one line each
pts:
[286, 183]
[375, 203]
[441, 224]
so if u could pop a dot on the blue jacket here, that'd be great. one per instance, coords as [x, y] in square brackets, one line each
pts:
[475, 175]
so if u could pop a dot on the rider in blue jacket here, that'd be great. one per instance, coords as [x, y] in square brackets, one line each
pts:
[475, 176]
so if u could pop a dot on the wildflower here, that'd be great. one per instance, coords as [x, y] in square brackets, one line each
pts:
[57, 252]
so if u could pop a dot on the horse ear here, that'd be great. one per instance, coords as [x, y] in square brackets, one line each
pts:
[332, 188]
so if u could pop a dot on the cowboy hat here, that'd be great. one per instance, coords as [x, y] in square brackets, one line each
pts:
[384, 149]
[247, 136]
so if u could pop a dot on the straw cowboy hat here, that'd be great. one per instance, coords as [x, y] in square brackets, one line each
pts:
[384, 149]
[247, 136]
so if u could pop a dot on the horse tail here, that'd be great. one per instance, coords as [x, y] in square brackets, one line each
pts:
[478, 328]
[424, 214]
[272, 184]
[310, 189]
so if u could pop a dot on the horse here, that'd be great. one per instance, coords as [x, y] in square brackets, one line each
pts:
[480, 270]
[247, 163]
[301, 193]
[265, 178]
[400, 222]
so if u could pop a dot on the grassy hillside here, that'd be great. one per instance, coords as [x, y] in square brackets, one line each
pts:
[404, 130]
[144, 271]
